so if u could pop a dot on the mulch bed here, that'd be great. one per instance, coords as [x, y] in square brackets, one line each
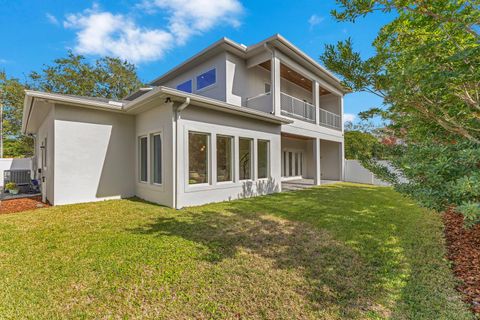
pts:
[464, 251]
[23, 204]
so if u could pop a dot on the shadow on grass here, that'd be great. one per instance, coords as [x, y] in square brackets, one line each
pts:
[357, 246]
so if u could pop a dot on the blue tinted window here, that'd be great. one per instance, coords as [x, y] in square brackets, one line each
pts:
[206, 79]
[186, 86]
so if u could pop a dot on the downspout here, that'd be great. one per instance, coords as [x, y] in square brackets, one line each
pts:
[272, 78]
[176, 116]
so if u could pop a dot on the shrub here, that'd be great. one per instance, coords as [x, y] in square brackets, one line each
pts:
[471, 213]
[10, 186]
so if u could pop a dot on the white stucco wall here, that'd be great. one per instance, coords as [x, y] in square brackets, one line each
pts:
[331, 102]
[330, 160]
[93, 155]
[216, 91]
[47, 131]
[214, 123]
[156, 120]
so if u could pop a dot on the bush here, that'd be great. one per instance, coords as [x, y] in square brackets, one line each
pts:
[471, 213]
[10, 186]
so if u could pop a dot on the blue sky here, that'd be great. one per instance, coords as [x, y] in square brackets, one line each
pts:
[159, 34]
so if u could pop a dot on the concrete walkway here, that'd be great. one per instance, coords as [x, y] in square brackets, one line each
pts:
[300, 184]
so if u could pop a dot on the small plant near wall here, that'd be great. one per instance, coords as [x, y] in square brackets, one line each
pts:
[11, 187]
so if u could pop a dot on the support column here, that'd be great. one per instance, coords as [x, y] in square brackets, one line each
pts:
[316, 100]
[342, 161]
[316, 157]
[275, 74]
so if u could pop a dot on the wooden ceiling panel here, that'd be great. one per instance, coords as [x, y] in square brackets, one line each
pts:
[294, 77]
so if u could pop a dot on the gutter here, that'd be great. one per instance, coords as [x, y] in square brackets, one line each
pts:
[176, 117]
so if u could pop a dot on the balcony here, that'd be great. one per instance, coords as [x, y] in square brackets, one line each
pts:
[295, 108]
[330, 119]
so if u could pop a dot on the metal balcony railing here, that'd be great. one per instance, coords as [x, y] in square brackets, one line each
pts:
[330, 119]
[297, 108]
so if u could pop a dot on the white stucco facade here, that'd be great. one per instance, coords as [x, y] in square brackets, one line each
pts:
[91, 149]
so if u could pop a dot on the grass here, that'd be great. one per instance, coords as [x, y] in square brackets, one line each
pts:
[343, 251]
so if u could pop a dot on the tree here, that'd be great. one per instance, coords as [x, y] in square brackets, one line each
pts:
[107, 77]
[12, 94]
[361, 145]
[426, 70]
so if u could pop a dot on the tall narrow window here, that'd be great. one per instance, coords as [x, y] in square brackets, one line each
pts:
[224, 158]
[206, 79]
[197, 158]
[143, 159]
[290, 162]
[263, 159]
[245, 158]
[297, 165]
[157, 158]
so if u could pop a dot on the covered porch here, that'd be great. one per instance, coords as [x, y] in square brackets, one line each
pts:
[310, 161]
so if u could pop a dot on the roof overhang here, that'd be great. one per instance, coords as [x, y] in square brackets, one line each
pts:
[33, 98]
[276, 41]
[174, 95]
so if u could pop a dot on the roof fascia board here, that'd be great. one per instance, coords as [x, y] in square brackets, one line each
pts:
[224, 43]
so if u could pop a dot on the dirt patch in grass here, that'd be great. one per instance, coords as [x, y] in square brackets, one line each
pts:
[464, 250]
[23, 204]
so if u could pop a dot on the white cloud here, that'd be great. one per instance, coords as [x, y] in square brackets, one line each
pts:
[349, 117]
[3, 61]
[314, 20]
[52, 19]
[105, 33]
[188, 17]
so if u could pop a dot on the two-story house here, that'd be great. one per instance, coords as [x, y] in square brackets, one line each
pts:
[231, 122]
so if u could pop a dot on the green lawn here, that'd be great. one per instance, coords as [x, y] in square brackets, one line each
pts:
[342, 251]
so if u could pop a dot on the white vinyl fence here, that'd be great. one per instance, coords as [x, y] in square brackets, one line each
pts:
[355, 172]
[14, 164]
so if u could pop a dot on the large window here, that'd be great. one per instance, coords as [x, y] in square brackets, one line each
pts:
[197, 157]
[143, 159]
[206, 79]
[186, 86]
[224, 158]
[263, 159]
[245, 158]
[157, 158]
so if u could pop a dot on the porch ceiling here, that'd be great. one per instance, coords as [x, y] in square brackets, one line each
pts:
[294, 136]
[293, 76]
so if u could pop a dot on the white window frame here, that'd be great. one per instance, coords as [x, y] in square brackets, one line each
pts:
[152, 155]
[232, 160]
[209, 86]
[139, 155]
[268, 159]
[252, 156]
[209, 160]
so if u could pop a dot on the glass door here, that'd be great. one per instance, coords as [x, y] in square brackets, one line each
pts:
[292, 164]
